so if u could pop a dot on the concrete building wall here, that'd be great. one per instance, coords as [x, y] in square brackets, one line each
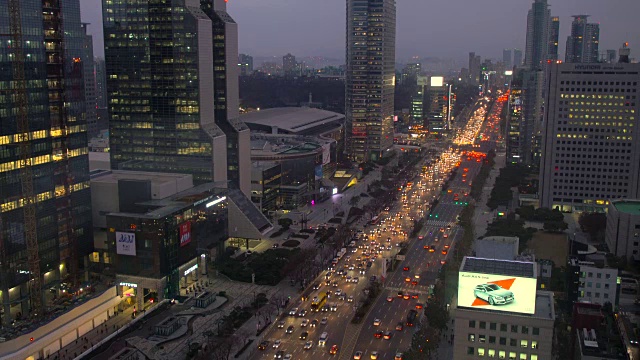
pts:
[598, 285]
[623, 232]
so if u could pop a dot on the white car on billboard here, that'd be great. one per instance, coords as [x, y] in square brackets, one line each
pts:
[493, 294]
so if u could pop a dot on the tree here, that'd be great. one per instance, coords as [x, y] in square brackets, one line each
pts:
[593, 224]
[354, 200]
[555, 226]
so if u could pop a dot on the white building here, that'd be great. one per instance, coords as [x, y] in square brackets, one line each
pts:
[623, 228]
[589, 155]
[595, 284]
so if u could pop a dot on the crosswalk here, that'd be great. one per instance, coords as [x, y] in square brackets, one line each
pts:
[440, 223]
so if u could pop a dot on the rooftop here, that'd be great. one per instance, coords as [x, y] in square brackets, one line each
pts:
[112, 176]
[295, 120]
[499, 267]
[631, 207]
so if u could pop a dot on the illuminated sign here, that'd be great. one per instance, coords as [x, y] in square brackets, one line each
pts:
[508, 72]
[497, 292]
[335, 191]
[125, 243]
[190, 270]
[437, 81]
[131, 285]
[185, 233]
[216, 201]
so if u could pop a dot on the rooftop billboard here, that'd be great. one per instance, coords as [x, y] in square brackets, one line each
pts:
[497, 292]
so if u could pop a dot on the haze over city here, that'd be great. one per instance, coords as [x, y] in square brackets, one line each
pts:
[446, 29]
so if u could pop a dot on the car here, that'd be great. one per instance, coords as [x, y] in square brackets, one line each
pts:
[407, 279]
[493, 294]
[445, 235]
[420, 237]
[263, 345]
[308, 345]
[314, 323]
[304, 335]
[277, 343]
[378, 334]
[279, 354]
[316, 286]
[325, 308]
[357, 355]
[281, 324]
[338, 292]
[398, 356]
[442, 229]
[406, 296]
[302, 313]
[374, 355]
[414, 282]
[376, 322]
[436, 239]
[444, 252]
[399, 326]
[334, 284]
[304, 323]
[293, 311]
[355, 279]
[446, 246]
[419, 306]
[406, 268]
[350, 298]
[334, 307]
[287, 357]
[324, 321]
[417, 276]
[388, 335]
[400, 294]
[442, 262]
[389, 298]
[333, 350]
[290, 329]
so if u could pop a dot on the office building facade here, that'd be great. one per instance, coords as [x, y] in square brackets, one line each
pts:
[590, 156]
[245, 62]
[517, 57]
[161, 90]
[515, 119]
[554, 32]
[592, 284]
[583, 43]
[289, 65]
[53, 73]
[89, 84]
[623, 228]
[438, 105]
[507, 58]
[370, 78]
[537, 41]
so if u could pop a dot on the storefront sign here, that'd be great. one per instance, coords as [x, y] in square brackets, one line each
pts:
[185, 233]
[216, 201]
[190, 270]
[125, 243]
[131, 285]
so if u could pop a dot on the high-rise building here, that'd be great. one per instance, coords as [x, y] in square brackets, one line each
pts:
[52, 60]
[517, 57]
[515, 119]
[418, 115]
[507, 58]
[590, 155]
[245, 62]
[370, 78]
[289, 65]
[161, 108]
[101, 83]
[89, 84]
[474, 68]
[438, 105]
[583, 43]
[554, 32]
[537, 44]
[226, 97]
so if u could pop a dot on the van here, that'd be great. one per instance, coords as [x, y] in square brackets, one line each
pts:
[323, 339]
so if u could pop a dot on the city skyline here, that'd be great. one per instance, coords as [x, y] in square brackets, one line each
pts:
[262, 32]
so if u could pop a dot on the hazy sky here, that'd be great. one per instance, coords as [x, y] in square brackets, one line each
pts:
[440, 28]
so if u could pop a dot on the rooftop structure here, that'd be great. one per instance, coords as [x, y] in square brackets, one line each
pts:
[293, 120]
[497, 247]
[499, 267]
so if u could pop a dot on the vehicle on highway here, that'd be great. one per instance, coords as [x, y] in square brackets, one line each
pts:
[308, 345]
[279, 354]
[277, 343]
[302, 313]
[493, 294]
[399, 326]
[388, 335]
[287, 357]
[281, 324]
[398, 356]
[357, 355]
[304, 323]
[263, 345]
[389, 298]
[334, 307]
[318, 302]
[378, 334]
[373, 355]
[293, 311]
[406, 268]
[419, 306]
[314, 323]
[304, 335]
[290, 329]
[324, 321]
[333, 350]
[376, 322]
[411, 317]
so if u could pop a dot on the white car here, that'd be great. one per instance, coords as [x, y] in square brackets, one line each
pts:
[293, 311]
[304, 323]
[287, 357]
[376, 322]
[277, 343]
[324, 321]
[350, 298]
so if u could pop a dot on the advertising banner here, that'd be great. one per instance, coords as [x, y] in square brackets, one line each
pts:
[125, 243]
[497, 292]
[185, 233]
[326, 154]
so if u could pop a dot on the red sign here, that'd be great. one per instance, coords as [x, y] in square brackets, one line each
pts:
[185, 233]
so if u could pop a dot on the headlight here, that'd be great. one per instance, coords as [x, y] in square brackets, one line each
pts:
[499, 297]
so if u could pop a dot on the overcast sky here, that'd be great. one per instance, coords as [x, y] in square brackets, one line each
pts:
[439, 28]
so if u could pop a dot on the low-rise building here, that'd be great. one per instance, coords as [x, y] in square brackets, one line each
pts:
[499, 314]
[623, 228]
[591, 339]
[497, 247]
[590, 283]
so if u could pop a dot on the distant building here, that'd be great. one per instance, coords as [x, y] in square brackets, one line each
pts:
[245, 62]
[500, 327]
[589, 161]
[590, 283]
[623, 228]
[289, 65]
[101, 84]
[89, 84]
[583, 43]
[370, 78]
[517, 57]
[438, 105]
[270, 68]
[554, 32]
[411, 71]
[507, 58]
[418, 122]
[474, 68]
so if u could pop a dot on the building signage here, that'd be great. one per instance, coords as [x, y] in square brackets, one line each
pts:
[185, 233]
[125, 243]
[190, 270]
[326, 154]
[216, 201]
[131, 285]
[497, 292]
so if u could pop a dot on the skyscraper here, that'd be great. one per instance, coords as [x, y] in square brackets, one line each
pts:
[537, 44]
[583, 43]
[226, 97]
[590, 155]
[554, 32]
[474, 68]
[89, 83]
[246, 64]
[289, 65]
[507, 58]
[517, 57]
[161, 93]
[101, 83]
[52, 60]
[370, 77]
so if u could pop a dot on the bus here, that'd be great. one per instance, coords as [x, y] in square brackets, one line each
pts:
[318, 302]
[374, 220]
[323, 339]
[411, 317]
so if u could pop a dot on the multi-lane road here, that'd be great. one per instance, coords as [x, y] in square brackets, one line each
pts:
[377, 243]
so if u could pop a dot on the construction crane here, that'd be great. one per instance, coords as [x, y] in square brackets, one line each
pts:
[26, 174]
